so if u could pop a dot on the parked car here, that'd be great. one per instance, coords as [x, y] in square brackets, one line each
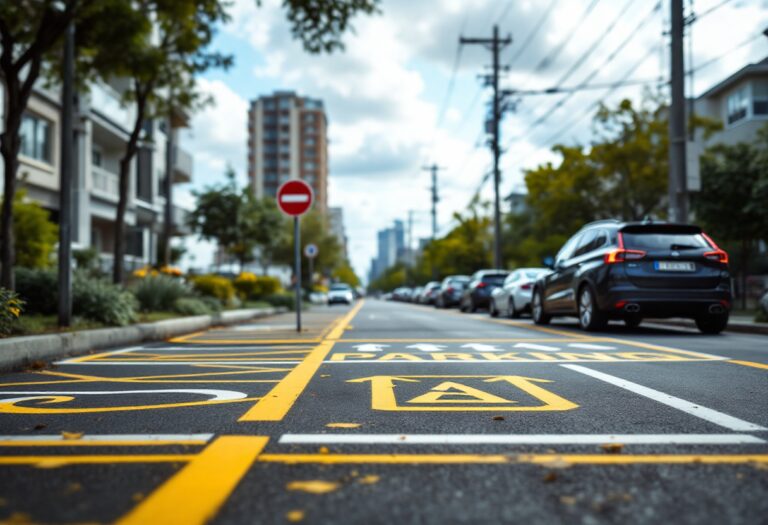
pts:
[450, 291]
[429, 293]
[630, 271]
[513, 298]
[477, 294]
[340, 293]
[401, 294]
[416, 294]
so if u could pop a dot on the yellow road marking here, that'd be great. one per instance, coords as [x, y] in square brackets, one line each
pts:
[116, 443]
[13, 408]
[183, 338]
[540, 459]
[313, 340]
[276, 404]
[196, 493]
[61, 461]
[750, 363]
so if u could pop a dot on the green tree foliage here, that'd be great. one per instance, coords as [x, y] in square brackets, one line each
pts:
[345, 274]
[314, 230]
[35, 234]
[732, 174]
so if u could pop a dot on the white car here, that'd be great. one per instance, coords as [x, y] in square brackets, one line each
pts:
[514, 296]
[340, 293]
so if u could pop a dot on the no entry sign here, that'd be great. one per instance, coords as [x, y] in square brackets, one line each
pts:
[294, 197]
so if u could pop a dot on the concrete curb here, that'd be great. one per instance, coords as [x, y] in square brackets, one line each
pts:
[18, 352]
[743, 328]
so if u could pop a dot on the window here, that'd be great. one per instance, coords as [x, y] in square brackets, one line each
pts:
[310, 153]
[36, 138]
[310, 130]
[760, 98]
[96, 157]
[310, 166]
[269, 103]
[285, 103]
[309, 118]
[738, 103]
[567, 249]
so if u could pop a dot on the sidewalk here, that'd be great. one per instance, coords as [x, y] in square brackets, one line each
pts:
[18, 352]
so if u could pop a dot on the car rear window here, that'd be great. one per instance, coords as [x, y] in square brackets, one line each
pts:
[340, 288]
[534, 274]
[664, 241]
[494, 278]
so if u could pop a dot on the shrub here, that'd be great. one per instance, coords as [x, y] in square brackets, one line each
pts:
[87, 259]
[286, 299]
[215, 286]
[192, 306]
[250, 286]
[35, 234]
[10, 309]
[39, 290]
[100, 300]
[211, 302]
[159, 292]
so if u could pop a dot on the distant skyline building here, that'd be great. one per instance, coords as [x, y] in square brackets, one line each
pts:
[288, 139]
[390, 249]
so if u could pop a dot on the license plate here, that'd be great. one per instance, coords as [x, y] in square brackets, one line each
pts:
[675, 266]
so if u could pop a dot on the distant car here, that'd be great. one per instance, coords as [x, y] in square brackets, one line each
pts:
[401, 294]
[416, 294]
[450, 291]
[630, 271]
[513, 298]
[477, 294]
[340, 293]
[429, 293]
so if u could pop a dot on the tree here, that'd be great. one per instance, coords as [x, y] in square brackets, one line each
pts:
[733, 174]
[35, 232]
[345, 274]
[271, 231]
[314, 230]
[29, 29]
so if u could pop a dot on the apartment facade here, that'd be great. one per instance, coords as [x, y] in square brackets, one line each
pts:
[103, 125]
[287, 139]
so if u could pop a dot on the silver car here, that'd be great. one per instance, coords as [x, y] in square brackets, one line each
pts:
[513, 298]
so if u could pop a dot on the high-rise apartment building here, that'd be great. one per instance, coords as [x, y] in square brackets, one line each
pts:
[287, 139]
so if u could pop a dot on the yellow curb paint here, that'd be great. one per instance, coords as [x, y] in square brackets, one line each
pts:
[276, 404]
[62, 461]
[195, 494]
[750, 363]
[541, 459]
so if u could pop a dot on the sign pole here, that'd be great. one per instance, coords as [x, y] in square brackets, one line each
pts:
[297, 269]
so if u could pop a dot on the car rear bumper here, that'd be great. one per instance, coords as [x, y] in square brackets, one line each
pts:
[666, 303]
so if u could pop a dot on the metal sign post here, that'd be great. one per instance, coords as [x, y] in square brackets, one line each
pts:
[310, 252]
[294, 198]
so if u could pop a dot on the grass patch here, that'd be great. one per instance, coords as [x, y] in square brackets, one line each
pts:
[47, 324]
[151, 317]
[252, 304]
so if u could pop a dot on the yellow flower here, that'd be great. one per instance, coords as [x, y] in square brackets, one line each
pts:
[15, 311]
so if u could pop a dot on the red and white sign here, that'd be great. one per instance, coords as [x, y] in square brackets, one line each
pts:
[295, 197]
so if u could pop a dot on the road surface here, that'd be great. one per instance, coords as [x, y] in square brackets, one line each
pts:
[393, 413]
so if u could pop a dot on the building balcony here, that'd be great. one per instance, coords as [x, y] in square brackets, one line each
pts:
[182, 169]
[106, 101]
[105, 184]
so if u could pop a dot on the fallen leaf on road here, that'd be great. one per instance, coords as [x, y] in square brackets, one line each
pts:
[37, 364]
[550, 477]
[294, 515]
[138, 496]
[612, 448]
[343, 425]
[314, 486]
[325, 375]
[498, 418]
[760, 466]
[567, 500]
[19, 517]
[39, 426]
[323, 450]
[72, 488]
[557, 462]
[369, 479]
[71, 435]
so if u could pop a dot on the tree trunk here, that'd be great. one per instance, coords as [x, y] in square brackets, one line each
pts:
[131, 149]
[745, 249]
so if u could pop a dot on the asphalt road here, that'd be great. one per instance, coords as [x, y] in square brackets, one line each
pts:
[393, 413]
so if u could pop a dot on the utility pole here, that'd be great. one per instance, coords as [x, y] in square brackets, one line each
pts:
[495, 45]
[67, 170]
[678, 191]
[434, 168]
[170, 157]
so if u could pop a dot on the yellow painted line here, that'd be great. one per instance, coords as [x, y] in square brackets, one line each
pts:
[537, 328]
[750, 363]
[656, 347]
[276, 404]
[540, 459]
[252, 341]
[184, 338]
[61, 461]
[116, 443]
[195, 494]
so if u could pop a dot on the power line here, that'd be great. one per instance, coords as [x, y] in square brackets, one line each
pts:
[728, 52]
[696, 17]
[573, 89]
[532, 34]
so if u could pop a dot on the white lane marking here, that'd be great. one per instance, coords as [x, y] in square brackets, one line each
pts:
[542, 348]
[370, 347]
[148, 438]
[713, 416]
[482, 348]
[216, 395]
[521, 439]
[294, 197]
[587, 346]
[424, 347]
[379, 361]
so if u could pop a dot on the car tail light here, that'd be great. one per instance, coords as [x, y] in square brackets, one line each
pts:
[717, 254]
[449, 289]
[619, 305]
[526, 286]
[481, 284]
[621, 255]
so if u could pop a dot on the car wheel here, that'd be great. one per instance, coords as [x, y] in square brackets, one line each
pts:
[462, 307]
[590, 317]
[492, 310]
[472, 308]
[711, 323]
[633, 321]
[513, 312]
[537, 309]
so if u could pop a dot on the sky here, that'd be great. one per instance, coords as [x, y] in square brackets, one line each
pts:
[404, 94]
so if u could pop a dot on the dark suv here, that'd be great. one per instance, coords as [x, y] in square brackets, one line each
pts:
[477, 294]
[618, 270]
[450, 291]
